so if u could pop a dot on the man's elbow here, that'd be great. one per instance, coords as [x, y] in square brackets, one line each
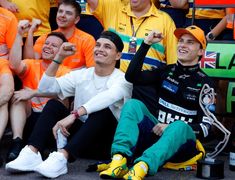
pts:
[13, 66]
[128, 77]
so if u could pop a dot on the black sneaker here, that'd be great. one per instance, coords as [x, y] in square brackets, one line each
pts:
[16, 146]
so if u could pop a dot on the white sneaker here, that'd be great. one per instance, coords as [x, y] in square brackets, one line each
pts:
[26, 161]
[54, 166]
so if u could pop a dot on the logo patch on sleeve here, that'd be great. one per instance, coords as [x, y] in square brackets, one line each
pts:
[170, 87]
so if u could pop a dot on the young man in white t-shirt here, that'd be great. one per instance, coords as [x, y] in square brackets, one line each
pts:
[99, 93]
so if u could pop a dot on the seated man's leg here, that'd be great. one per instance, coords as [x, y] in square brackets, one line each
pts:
[4, 118]
[90, 139]
[126, 137]
[3, 123]
[42, 134]
[94, 137]
[173, 137]
[127, 131]
[18, 115]
[29, 156]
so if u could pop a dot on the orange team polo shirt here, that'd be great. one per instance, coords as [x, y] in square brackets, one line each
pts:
[4, 67]
[8, 30]
[231, 20]
[31, 78]
[230, 11]
[84, 43]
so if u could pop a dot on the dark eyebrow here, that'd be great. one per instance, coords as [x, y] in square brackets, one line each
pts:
[187, 40]
[107, 44]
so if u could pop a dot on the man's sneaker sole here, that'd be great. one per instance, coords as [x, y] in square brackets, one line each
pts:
[113, 175]
[18, 170]
[50, 174]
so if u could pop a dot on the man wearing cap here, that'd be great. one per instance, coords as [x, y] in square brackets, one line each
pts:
[99, 93]
[150, 140]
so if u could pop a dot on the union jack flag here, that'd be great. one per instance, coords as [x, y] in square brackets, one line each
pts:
[208, 60]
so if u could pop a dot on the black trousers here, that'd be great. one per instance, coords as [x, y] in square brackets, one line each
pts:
[91, 139]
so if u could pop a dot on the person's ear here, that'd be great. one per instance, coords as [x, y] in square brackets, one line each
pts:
[201, 52]
[77, 19]
[118, 56]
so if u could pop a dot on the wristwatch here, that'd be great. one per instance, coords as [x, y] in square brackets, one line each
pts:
[210, 36]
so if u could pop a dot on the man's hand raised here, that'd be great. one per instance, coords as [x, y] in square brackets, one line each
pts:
[23, 27]
[153, 37]
[66, 49]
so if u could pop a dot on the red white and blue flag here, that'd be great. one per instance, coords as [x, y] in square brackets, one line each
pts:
[208, 60]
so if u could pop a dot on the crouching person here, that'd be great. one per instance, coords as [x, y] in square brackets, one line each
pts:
[99, 93]
[151, 140]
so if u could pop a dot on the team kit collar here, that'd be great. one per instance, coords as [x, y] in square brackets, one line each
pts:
[192, 68]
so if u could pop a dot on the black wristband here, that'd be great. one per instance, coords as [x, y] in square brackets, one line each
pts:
[211, 36]
[57, 62]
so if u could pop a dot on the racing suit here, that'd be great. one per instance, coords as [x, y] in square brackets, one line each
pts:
[178, 88]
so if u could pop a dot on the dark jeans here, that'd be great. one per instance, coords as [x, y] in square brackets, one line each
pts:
[29, 126]
[91, 139]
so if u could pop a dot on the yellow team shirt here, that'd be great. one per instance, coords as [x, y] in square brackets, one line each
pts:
[205, 13]
[29, 9]
[116, 15]
[31, 77]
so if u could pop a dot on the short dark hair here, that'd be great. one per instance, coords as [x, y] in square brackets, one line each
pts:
[59, 35]
[116, 40]
[74, 4]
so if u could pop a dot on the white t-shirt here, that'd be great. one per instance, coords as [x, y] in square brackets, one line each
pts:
[92, 92]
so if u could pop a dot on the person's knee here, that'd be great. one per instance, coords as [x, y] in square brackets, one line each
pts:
[53, 103]
[182, 128]
[180, 125]
[54, 106]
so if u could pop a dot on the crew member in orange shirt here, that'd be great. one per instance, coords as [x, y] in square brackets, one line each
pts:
[28, 103]
[68, 16]
[8, 29]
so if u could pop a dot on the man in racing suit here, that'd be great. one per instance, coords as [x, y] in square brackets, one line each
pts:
[169, 135]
